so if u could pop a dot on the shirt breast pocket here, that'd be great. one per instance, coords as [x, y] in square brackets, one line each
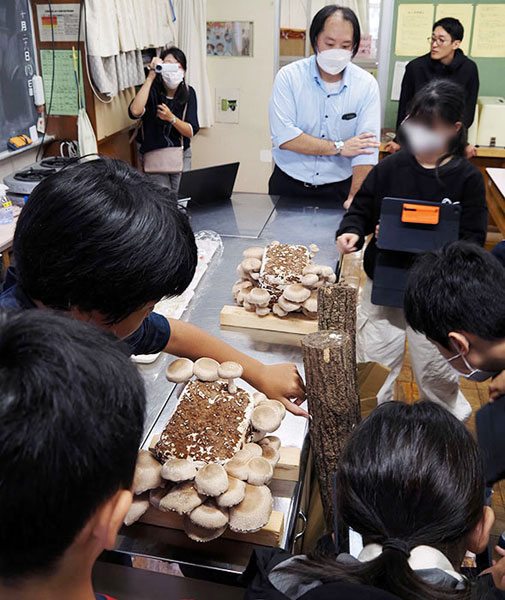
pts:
[348, 127]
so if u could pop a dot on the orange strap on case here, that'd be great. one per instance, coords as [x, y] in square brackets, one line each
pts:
[421, 214]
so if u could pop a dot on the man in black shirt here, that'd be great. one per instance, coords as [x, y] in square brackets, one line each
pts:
[445, 61]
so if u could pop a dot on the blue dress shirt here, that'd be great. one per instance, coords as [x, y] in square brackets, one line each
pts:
[301, 103]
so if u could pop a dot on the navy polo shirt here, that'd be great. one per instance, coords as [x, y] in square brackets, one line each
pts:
[151, 337]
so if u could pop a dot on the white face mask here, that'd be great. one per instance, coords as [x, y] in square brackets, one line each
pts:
[422, 140]
[172, 78]
[333, 61]
[474, 374]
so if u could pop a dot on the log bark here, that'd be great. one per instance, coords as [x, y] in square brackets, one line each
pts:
[337, 308]
[332, 393]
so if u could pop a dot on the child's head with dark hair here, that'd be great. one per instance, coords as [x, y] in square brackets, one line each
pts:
[413, 474]
[335, 27]
[453, 296]
[71, 412]
[101, 239]
[435, 120]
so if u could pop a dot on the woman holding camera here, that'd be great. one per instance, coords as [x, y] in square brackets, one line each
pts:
[168, 109]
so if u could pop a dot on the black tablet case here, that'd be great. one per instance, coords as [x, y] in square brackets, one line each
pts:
[399, 242]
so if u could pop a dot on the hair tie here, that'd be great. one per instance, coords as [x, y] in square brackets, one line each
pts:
[398, 545]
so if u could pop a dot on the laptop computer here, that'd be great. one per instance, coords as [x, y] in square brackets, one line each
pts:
[408, 227]
[206, 185]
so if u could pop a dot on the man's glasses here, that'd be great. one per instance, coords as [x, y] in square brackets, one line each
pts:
[438, 41]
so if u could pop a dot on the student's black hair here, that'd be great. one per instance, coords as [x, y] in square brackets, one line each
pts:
[71, 412]
[319, 20]
[182, 93]
[442, 100]
[453, 27]
[411, 473]
[456, 288]
[101, 236]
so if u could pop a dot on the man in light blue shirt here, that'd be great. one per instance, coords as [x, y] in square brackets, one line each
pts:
[325, 115]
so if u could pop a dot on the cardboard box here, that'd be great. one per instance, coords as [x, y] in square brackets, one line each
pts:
[371, 377]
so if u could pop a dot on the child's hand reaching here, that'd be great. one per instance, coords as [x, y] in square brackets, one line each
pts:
[283, 382]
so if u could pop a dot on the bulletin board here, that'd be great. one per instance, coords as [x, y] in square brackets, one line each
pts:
[484, 23]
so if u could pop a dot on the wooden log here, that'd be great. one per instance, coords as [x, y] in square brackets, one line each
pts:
[333, 401]
[336, 308]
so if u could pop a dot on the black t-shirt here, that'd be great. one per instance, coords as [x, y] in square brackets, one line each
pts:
[156, 133]
[401, 176]
[421, 70]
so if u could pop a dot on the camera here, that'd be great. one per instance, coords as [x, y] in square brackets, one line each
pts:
[166, 67]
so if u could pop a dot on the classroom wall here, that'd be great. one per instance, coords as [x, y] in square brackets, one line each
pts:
[245, 141]
[491, 70]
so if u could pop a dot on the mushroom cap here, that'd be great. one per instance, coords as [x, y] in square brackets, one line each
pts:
[296, 293]
[180, 370]
[240, 285]
[308, 314]
[233, 495]
[271, 440]
[237, 466]
[278, 311]
[156, 496]
[259, 296]
[311, 268]
[275, 404]
[230, 370]
[251, 265]
[288, 306]
[211, 480]
[271, 454]
[178, 469]
[205, 369]
[310, 305]
[262, 311]
[201, 534]
[258, 397]
[147, 473]
[265, 418]
[253, 512]
[252, 449]
[138, 507]
[326, 271]
[310, 279]
[314, 248]
[249, 307]
[260, 471]
[241, 273]
[254, 252]
[183, 498]
[209, 515]
[331, 278]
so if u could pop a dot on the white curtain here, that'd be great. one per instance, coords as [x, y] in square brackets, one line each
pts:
[191, 15]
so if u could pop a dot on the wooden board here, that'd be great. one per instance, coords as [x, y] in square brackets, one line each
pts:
[287, 469]
[236, 316]
[270, 535]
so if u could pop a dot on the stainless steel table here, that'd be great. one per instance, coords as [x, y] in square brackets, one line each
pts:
[248, 219]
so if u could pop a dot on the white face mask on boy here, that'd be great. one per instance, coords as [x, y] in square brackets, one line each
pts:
[334, 60]
[172, 78]
[422, 140]
[474, 374]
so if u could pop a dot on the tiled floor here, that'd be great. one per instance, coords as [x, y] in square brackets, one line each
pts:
[406, 391]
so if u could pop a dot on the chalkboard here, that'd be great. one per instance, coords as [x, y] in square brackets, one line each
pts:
[491, 70]
[17, 67]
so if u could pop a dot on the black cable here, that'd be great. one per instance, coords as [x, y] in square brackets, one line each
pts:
[48, 112]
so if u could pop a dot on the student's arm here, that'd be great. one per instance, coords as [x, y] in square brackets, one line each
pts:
[474, 213]
[286, 135]
[280, 382]
[360, 219]
[471, 94]
[406, 95]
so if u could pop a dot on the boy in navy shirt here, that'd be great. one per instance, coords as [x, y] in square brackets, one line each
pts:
[71, 420]
[101, 242]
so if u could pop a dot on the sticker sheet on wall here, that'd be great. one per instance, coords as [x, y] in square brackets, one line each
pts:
[229, 38]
